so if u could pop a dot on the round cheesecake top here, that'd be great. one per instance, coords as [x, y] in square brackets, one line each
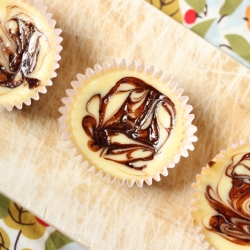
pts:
[27, 51]
[223, 200]
[126, 123]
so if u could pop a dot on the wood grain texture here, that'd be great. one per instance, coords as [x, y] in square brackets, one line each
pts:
[39, 172]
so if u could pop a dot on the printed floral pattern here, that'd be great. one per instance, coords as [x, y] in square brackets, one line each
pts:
[224, 23]
[21, 230]
[170, 7]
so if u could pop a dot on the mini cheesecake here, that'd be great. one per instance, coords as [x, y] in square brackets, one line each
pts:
[222, 199]
[127, 123]
[27, 52]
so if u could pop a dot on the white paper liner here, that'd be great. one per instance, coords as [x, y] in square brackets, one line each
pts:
[187, 143]
[201, 236]
[55, 65]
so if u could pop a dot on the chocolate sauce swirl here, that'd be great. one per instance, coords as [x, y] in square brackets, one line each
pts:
[233, 219]
[136, 119]
[18, 62]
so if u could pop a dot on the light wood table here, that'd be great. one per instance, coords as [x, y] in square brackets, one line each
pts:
[39, 172]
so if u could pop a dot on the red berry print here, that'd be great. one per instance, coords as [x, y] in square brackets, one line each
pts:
[42, 222]
[190, 16]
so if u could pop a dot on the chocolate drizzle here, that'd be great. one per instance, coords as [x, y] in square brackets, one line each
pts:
[233, 219]
[135, 119]
[21, 61]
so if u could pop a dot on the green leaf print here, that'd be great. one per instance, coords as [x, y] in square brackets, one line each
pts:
[197, 5]
[56, 240]
[202, 28]
[240, 46]
[229, 7]
[4, 206]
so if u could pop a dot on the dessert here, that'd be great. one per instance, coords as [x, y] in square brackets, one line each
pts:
[29, 51]
[128, 122]
[222, 199]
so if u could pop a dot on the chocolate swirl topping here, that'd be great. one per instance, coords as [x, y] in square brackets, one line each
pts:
[18, 62]
[134, 132]
[233, 219]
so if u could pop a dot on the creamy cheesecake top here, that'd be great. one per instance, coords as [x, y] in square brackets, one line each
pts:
[126, 123]
[27, 51]
[223, 200]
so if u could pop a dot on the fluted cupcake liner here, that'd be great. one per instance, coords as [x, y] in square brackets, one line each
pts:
[37, 4]
[190, 129]
[237, 148]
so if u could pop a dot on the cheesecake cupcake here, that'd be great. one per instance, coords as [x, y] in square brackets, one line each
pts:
[222, 199]
[128, 121]
[29, 52]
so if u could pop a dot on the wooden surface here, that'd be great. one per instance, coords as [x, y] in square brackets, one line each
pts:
[40, 173]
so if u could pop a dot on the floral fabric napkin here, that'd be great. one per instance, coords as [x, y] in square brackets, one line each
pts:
[224, 23]
[21, 230]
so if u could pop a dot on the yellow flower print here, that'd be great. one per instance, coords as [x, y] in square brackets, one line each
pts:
[4, 240]
[170, 7]
[22, 220]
